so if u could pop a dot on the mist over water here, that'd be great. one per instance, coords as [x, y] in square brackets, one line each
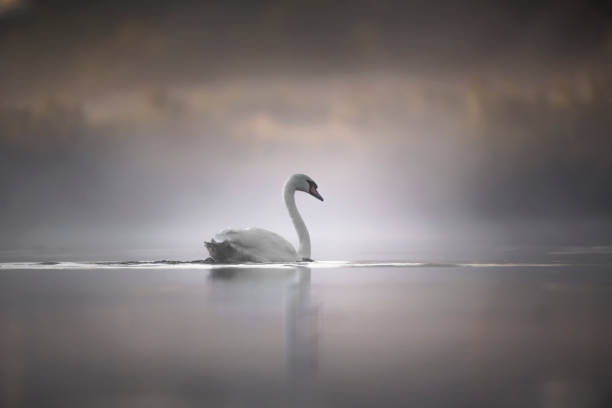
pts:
[440, 128]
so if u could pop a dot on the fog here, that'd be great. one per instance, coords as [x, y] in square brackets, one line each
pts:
[148, 127]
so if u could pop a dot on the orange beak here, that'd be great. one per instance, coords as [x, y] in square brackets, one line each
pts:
[315, 193]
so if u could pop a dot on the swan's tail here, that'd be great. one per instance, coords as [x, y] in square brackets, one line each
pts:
[220, 251]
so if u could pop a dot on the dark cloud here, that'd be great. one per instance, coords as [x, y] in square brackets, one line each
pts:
[114, 44]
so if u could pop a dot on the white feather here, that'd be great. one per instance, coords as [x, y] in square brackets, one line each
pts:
[259, 245]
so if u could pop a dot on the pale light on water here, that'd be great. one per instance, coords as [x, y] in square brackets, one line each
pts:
[312, 334]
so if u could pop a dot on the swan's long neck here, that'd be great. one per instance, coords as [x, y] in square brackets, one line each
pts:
[298, 222]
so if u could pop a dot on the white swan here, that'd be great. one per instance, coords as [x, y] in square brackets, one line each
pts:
[260, 245]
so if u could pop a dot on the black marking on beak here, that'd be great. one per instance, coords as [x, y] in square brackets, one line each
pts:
[313, 190]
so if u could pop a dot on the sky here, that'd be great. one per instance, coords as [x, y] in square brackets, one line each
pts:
[152, 125]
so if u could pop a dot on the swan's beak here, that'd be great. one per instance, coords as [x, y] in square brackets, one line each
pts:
[315, 193]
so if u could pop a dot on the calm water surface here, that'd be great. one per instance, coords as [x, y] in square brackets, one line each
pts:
[313, 335]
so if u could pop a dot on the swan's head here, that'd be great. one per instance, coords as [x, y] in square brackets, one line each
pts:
[302, 182]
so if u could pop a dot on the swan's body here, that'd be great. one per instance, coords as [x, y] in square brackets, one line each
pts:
[260, 245]
[252, 245]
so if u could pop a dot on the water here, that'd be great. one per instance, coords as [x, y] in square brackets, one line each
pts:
[323, 334]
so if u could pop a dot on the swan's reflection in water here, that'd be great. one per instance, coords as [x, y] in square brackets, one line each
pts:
[301, 335]
[301, 323]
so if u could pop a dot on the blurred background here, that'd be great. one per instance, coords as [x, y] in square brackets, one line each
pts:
[139, 129]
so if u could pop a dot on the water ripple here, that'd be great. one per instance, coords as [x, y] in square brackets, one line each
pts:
[206, 265]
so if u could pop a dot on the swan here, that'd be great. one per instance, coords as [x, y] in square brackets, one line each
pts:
[260, 245]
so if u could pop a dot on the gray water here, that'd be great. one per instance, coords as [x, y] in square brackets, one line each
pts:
[324, 334]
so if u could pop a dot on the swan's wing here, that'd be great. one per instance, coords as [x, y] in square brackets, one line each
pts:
[258, 245]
